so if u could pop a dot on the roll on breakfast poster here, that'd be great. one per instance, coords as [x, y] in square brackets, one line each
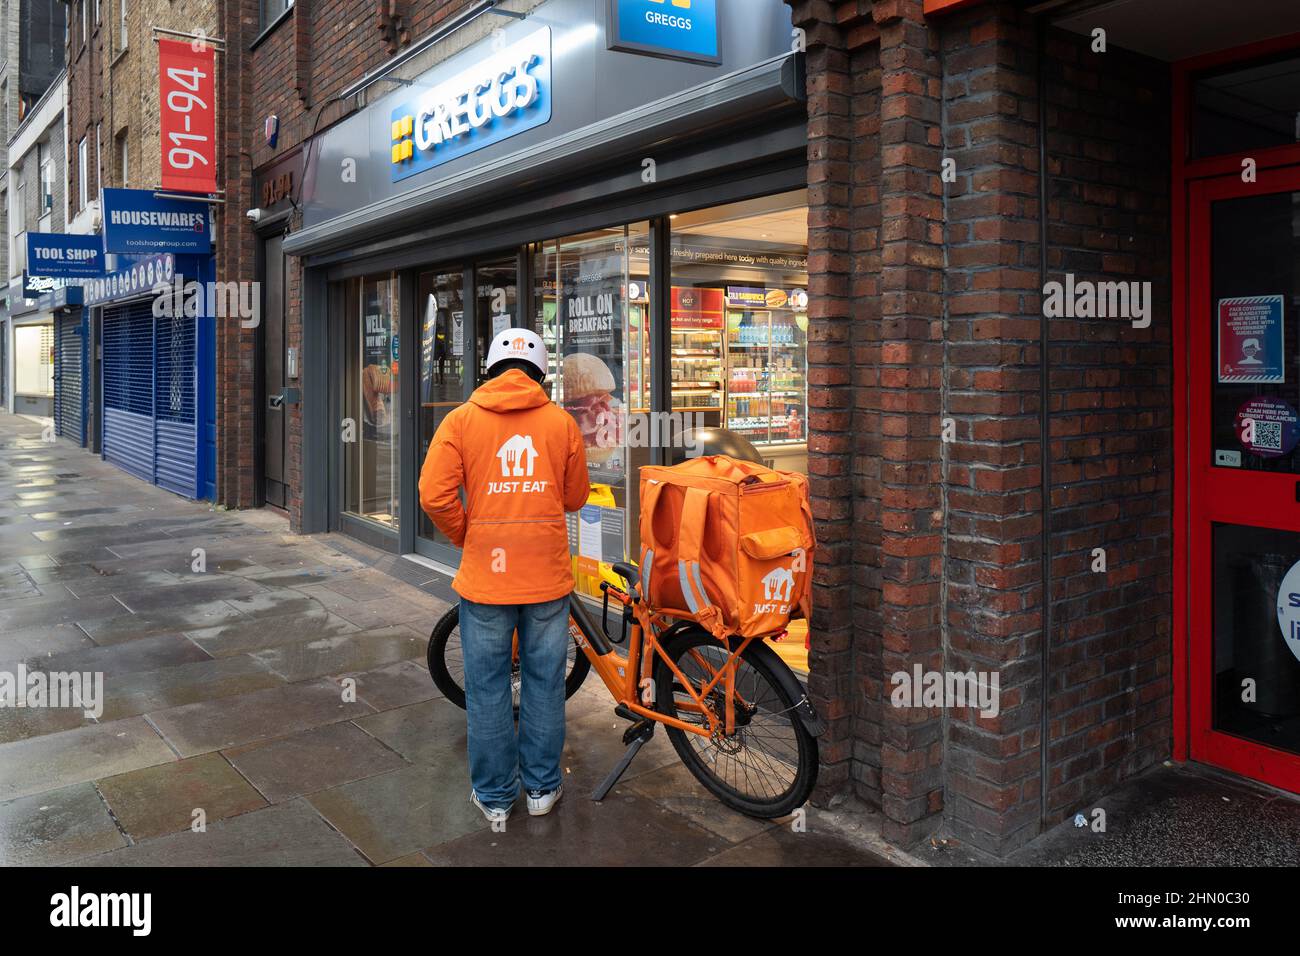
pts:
[592, 314]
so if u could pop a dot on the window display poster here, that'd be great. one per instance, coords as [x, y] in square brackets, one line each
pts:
[591, 315]
[376, 374]
[1251, 340]
[1268, 427]
[697, 308]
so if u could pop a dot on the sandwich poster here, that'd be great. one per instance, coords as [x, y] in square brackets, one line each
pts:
[1251, 340]
[591, 314]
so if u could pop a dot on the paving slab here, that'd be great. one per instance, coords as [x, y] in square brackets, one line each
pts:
[782, 847]
[65, 611]
[675, 788]
[22, 643]
[390, 610]
[396, 814]
[144, 653]
[47, 829]
[623, 830]
[291, 834]
[273, 604]
[158, 800]
[196, 590]
[396, 685]
[242, 634]
[73, 756]
[22, 723]
[313, 760]
[261, 715]
[432, 732]
[128, 627]
[129, 694]
[342, 653]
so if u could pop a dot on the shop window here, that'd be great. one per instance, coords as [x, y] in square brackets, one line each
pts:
[1246, 107]
[739, 314]
[371, 400]
[34, 360]
[590, 301]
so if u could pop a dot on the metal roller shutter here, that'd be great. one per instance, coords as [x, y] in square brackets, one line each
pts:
[175, 392]
[69, 365]
[128, 383]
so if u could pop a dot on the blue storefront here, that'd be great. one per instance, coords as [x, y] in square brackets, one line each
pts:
[152, 319]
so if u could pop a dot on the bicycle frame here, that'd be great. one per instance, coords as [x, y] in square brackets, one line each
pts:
[628, 676]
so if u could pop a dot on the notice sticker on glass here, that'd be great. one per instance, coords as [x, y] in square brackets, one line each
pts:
[1251, 340]
[1288, 609]
[458, 333]
[1267, 427]
[589, 539]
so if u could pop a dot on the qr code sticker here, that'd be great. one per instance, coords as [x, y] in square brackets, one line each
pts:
[1268, 435]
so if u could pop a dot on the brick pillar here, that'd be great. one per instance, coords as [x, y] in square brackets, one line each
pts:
[910, 401]
[236, 253]
[993, 479]
[831, 391]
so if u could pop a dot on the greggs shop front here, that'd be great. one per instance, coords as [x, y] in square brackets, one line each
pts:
[631, 187]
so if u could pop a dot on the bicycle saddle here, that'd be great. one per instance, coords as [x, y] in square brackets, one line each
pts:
[627, 571]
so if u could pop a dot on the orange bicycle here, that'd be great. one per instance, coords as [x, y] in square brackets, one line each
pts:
[735, 713]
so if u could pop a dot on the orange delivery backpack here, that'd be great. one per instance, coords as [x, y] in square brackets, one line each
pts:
[727, 543]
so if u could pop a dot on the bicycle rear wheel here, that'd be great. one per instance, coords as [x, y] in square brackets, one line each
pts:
[447, 663]
[768, 767]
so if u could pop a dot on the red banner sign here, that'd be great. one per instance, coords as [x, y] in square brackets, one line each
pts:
[186, 105]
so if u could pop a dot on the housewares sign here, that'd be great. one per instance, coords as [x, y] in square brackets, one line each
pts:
[502, 94]
[137, 222]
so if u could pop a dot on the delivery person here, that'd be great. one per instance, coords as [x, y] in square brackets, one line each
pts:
[522, 463]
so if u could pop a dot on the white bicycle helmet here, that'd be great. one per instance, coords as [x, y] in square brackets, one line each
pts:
[519, 344]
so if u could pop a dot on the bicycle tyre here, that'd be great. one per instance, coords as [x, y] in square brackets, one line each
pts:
[447, 683]
[765, 664]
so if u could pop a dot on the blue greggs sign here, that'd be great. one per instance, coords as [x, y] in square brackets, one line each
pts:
[137, 222]
[501, 95]
[682, 29]
[64, 256]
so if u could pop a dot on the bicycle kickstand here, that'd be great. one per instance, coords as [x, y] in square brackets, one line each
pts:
[635, 737]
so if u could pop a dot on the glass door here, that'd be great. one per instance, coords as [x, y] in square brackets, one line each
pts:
[440, 304]
[1244, 475]
[454, 332]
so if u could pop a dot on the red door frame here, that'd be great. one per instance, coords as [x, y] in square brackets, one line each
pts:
[1207, 177]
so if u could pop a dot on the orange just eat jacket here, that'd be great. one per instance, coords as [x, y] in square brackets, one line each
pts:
[523, 464]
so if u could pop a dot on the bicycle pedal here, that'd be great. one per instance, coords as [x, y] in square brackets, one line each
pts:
[642, 729]
[622, 710]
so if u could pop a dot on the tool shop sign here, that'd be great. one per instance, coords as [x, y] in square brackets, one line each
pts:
[186, 106]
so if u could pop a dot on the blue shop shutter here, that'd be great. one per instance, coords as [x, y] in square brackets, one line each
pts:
[69, 376]
[128, 383]
[175, 393]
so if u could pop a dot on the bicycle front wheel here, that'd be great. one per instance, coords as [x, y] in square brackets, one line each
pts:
[768, 767]
[447, 663]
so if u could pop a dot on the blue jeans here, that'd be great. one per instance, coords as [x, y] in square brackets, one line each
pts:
[498, 756]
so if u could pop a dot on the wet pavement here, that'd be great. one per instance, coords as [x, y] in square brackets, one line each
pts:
[225, 703]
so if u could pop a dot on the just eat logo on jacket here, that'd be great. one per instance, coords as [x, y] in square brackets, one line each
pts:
[518, 458]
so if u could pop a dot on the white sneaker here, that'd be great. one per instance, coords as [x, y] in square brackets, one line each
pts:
[540, 803]
[492, 814]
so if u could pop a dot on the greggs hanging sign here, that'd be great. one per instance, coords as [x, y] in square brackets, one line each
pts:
[504, 93]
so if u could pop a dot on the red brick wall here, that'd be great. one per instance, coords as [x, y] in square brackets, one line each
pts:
[935, 545]
[293, 73]
[1112, 418]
